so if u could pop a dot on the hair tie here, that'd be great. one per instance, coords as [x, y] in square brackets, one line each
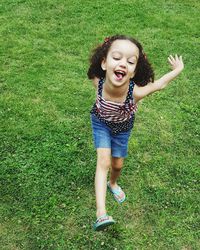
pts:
[106, 40]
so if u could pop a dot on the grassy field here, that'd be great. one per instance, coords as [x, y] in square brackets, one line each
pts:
[47, 155]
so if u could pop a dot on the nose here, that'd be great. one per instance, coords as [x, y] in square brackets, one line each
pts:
[123, 64]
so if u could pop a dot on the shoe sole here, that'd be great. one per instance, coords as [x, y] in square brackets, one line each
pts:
[103, 225]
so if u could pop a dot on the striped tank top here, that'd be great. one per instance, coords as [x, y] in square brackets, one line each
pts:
[117, 116]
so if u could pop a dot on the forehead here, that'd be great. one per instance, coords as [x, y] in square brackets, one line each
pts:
[125, 47]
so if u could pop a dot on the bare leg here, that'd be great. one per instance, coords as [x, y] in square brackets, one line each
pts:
[116, 164]
[103, 164]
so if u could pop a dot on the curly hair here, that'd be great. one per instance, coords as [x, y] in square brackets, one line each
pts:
[144, 71]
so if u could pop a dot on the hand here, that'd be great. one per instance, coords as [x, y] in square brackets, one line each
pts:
[176, 62]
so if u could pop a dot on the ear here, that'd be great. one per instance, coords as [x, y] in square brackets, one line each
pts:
[103, 64]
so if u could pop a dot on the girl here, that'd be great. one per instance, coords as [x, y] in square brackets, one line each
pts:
[122, 76]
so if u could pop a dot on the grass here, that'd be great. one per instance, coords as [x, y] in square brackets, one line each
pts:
[47, 156]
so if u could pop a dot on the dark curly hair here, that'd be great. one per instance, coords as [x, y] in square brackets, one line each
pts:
[144, 71]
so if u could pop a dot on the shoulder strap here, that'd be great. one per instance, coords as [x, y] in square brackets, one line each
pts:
[100, 86]
[130, 92]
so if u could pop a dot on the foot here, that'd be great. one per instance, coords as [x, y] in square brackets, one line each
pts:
[117, 192]
[100, 212]
[102, 222]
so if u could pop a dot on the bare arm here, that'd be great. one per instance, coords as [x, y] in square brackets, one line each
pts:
[176, 65]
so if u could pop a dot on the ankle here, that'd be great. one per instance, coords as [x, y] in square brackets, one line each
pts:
[100, 212]
[113, 184]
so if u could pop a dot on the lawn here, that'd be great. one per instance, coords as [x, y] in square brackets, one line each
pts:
[47, 155]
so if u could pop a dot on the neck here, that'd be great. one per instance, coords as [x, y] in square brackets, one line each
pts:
[115, 91]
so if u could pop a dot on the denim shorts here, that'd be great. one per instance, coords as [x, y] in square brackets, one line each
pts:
[103, 138]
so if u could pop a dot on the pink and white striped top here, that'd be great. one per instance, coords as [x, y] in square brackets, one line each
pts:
[118, 116]
[115, 112]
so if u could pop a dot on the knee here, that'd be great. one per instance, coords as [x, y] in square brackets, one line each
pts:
[117, 164]
[116, 168]
[104, 158]
[103, 164]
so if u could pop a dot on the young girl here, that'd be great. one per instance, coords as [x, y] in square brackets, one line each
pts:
[122, 76]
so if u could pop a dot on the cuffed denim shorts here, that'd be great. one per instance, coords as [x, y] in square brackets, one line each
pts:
[103, 138]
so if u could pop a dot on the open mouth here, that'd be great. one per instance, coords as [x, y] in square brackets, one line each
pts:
[119, 74]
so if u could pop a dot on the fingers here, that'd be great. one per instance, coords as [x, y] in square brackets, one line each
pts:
[176, 62]
[174, 59]
[170, 59]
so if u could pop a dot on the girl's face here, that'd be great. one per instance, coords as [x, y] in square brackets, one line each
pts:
[121, 61]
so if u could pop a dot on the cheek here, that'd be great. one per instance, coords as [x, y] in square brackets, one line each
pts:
[132, 69]
[132, 72]
[112, 61]
[111, 65]
[134, 66]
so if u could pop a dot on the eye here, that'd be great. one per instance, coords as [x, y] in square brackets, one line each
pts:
[131, 63]
[116, 58]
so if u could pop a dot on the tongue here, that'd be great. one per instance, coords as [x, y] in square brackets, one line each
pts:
[119, 76]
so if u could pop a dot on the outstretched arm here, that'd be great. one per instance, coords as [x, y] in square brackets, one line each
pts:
[177, 66]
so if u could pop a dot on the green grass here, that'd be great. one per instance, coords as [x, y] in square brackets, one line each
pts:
[47, 156]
